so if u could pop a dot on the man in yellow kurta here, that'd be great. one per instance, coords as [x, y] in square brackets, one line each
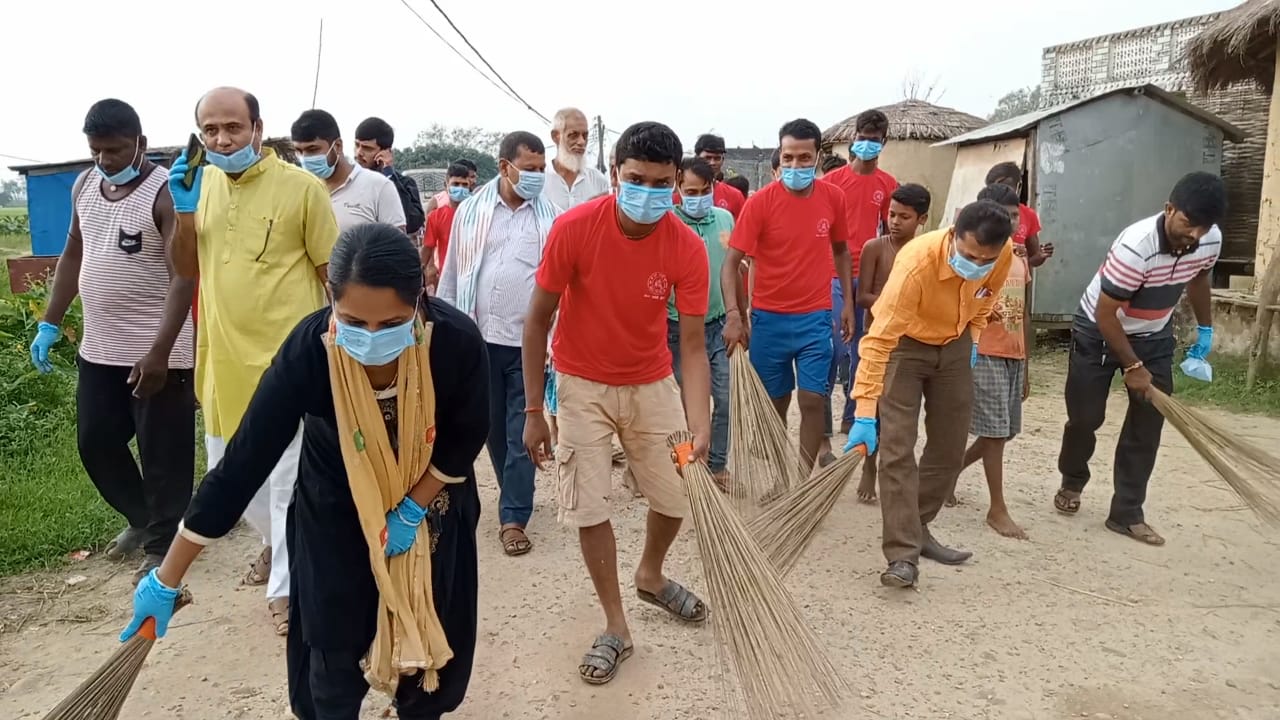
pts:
[922, 346]
[258, 232]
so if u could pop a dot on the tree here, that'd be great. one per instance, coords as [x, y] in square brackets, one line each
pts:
[1018, 102]
[915, 87]
[438, 146]
[13, 193]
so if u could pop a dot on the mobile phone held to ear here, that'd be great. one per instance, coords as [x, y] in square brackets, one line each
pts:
[195, 158]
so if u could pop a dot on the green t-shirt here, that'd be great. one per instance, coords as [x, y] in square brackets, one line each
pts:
[714, 229]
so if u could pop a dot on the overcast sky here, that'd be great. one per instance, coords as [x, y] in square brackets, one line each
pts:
[738, 68]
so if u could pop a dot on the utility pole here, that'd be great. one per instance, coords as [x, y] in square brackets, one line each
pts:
[600, 144]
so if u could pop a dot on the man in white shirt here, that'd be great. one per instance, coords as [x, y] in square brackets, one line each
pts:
[571, 180]
[495, 246]
[359, 196]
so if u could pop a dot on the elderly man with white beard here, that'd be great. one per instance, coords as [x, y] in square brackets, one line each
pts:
[571, 180]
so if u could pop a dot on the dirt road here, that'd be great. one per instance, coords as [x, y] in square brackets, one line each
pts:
[1075, 622]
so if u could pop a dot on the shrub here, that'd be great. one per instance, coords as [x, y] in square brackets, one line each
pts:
[15, 224]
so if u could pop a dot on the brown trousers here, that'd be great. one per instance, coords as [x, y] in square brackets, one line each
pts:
[911, 495]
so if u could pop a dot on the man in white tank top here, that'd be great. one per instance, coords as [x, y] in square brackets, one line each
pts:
[137, 351]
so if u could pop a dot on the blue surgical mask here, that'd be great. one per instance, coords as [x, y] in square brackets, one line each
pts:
[319, 165]
[966, 268]
[458, 193]
[129, 173]
[867, 149]
[372, 348]
[236, 162]
[645, 205]
[799, 178]
[530, 184]
[697, 206]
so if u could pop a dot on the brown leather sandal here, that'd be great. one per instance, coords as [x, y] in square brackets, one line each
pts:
[279, 609]
[514, 541]
[259, 570]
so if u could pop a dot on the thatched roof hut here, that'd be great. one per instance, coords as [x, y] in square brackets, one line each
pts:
[914, 127]
[911, 120]
[1240, 45]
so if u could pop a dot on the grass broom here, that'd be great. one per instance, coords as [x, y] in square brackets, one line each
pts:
[1250, 471]
[765, 463]
[101, 697]
[790, 522]
[761, 635]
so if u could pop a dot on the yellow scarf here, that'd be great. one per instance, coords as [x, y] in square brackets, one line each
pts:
[409, 636]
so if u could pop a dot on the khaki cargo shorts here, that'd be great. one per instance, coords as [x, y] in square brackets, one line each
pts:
[590, 413]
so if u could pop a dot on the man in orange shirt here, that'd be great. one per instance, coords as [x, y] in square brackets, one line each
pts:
[435, 241]
[794, 231]
[921, 345]
[610, 266]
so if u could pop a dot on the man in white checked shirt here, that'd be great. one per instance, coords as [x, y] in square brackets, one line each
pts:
[494, 249]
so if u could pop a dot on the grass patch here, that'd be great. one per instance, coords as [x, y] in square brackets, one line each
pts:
[48, 505]
[1227, 391]
[13, 245]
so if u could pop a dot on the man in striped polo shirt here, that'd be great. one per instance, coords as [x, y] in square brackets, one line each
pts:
[136, 354]
[1124, 323]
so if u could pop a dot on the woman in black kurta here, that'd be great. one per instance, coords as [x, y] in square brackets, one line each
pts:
[335, 599]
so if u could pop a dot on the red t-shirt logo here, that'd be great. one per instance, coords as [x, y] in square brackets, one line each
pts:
[722, 203]
[824, 228]
[878, 197]
[657, 287]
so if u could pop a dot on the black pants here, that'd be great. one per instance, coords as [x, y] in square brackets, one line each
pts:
[108, 416]
[329, 685]
[1089, 374]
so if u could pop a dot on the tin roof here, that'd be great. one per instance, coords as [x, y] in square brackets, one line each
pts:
[1020, 125]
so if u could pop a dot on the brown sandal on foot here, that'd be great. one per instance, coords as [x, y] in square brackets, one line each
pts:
[518, 544]
[259, 570]
[279, 609]
[1141, 532]
[1067, 501]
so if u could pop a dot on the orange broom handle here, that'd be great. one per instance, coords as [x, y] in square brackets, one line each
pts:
[682, 454]
[148, 629]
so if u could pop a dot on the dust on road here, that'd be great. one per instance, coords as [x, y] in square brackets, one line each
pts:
[1190, 631]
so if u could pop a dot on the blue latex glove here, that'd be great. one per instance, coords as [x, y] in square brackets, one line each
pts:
[862, 433]
[154, 599]
[1204, 343]
[184, 200]
[973, 356]
[402, 526]
[46, 336]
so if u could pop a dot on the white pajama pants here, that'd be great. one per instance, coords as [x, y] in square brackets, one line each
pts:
[267, 511]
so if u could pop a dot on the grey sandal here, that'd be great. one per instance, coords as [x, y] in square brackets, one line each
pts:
[677, 600]
[606, 655]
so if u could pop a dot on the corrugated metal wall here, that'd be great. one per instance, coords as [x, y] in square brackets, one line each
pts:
[1156, 55]
[1099, 168]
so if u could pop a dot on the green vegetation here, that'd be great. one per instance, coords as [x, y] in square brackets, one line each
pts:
[14, 222]
[1227, 390]
[48, 507]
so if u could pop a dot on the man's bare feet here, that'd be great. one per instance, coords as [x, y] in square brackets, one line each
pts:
[1001, 522]
[867, 489]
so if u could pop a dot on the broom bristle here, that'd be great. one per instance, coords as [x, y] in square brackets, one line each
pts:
[102, 695]
[790, 522]
[765, 463]
[1247, 469]
[761, 635]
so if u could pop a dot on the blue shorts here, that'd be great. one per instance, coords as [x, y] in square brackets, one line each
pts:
[792, 350]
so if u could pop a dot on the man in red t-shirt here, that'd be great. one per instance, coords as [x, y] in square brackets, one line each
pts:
[795, 233]
[610, 266]
[1027, 234]
[711, 148]
[435, 241]
[867, 190]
